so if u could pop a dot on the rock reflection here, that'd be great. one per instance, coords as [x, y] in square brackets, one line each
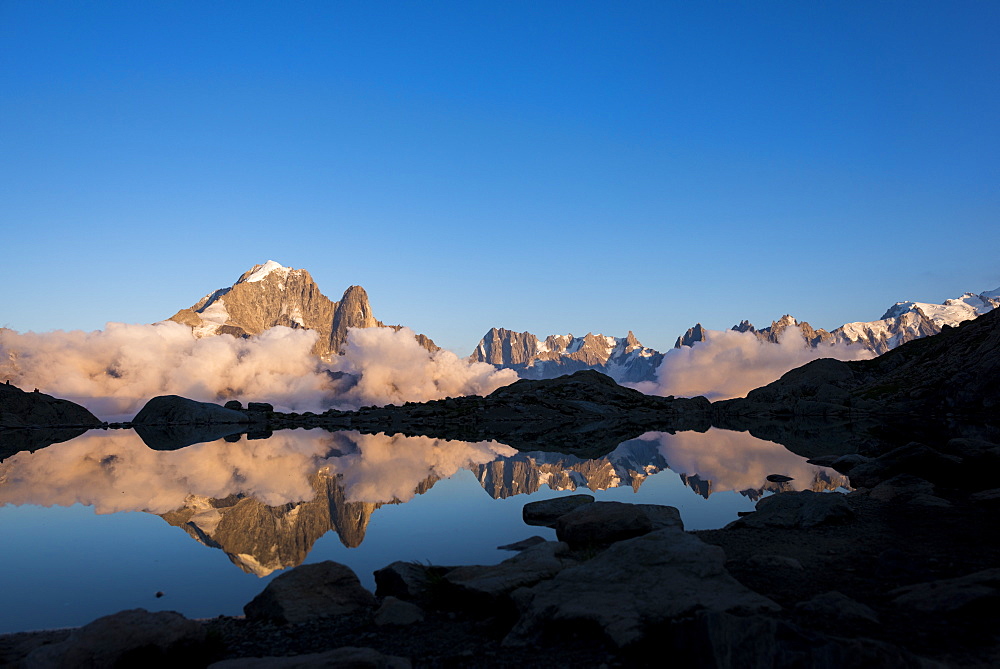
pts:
[266, 502]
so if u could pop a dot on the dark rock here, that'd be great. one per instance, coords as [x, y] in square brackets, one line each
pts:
[235, 405]
[129, 638]
[768, 561]
[991, 496]
[632, 587]
[482, 587]
[607, 522]
[834, 605]
[797, 509]
[779, 478]
[409, 581]
[21, 409]
[344, 658]
[395, 611]
[524, 543]
[260, 406]
[980, 590]
[173, 409]
[902, 486]
[547, 511]
[727, 641]
[310, 591]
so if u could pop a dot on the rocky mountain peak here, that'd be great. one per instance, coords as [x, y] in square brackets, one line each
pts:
[271, 295]
[353, 311]
[695, 334]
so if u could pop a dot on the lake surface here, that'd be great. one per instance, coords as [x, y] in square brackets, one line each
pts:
[103, 523]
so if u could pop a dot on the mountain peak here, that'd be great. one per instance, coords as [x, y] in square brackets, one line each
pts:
[261, 272]
[272, 295]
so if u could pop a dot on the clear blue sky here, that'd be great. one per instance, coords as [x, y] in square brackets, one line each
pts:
[555, 167]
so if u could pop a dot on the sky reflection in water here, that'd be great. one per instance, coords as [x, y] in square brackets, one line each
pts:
[364, 500]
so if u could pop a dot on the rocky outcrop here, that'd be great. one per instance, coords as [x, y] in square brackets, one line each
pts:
[35, 409]
[797, 509]
[633, 587]
[177, 410]
[311, 591]
[602, 523]
[624, 359]
[270, 295]
[693, 335]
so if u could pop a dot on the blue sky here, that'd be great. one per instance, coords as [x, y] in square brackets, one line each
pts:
[552, 167]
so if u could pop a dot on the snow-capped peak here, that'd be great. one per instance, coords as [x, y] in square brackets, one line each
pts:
[260, 272]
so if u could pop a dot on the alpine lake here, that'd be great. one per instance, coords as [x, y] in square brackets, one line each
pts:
[103, 522]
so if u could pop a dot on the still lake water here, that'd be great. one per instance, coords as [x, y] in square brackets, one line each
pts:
[102, 523]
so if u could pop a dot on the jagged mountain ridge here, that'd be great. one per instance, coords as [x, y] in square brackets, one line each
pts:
[624, 359]
[271, 295]
[901, 323]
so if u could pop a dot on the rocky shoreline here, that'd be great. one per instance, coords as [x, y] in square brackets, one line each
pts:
[901, 573]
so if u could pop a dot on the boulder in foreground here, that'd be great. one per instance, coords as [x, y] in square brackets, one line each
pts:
[634, 586]
[132, 638]
[311, 591]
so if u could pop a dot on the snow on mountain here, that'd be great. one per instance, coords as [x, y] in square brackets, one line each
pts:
[902, 322]
[260, 272]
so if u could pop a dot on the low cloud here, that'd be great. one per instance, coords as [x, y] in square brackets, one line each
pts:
[114, 371]
[730, 364]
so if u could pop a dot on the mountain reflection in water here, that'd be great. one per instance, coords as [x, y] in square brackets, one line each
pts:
[266, 502]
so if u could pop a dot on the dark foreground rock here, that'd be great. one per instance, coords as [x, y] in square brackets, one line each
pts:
[310, 591]
[129, 638]
[177, 410]
[35, 409]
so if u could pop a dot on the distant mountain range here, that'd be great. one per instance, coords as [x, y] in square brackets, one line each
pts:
[902, 322]
[626, 360]
[269, 295]
[621, 358]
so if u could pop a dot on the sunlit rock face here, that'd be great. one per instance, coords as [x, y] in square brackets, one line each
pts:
[621, 358]
[271, 295]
